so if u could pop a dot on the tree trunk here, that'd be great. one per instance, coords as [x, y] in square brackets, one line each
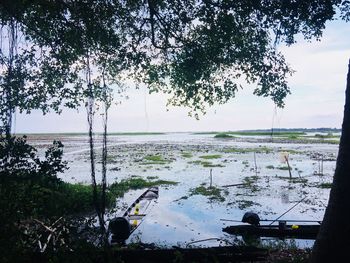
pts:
[333, 240]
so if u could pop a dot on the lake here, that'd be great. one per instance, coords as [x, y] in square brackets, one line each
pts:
[183, 214]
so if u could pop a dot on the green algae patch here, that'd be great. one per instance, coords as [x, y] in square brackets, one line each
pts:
[187, 155]
[243, 204]
[262, 149]
[206, 163]
[223, 136]
[134, 183]
[211, 156]
[213, 193]
[154, 159]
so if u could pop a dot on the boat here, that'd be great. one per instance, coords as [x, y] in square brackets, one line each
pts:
[284, 231]
[281, 230]
[121, 227]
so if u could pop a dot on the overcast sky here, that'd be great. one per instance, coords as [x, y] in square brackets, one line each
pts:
[317, 99]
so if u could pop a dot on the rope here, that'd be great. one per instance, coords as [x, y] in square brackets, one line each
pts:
[288, 210]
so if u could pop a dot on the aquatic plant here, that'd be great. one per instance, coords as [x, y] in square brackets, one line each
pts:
[186, 155]
[154, 159]
[223, 135]
[211, 156]
[119, 189]
[212, 192]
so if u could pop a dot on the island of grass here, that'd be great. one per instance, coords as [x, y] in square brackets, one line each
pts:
[135, 133]
[223, 135]
[261, 149]
[211, 156]
[206, 163]
[134, 183]
[154, 159]
[187, 155]
[212, 192]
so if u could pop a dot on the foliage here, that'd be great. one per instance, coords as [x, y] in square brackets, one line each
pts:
[223, 135]
[29, 187]
[213, 193]
[119, 189]
[154, 159]
[212, 156]
[187, 155]
[212, 47]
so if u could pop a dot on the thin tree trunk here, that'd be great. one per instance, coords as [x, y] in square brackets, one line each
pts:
[333, 241]
[104, 159]
[90, 117]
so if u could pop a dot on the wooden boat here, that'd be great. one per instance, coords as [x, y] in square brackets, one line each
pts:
[281, 231]
[121, 227]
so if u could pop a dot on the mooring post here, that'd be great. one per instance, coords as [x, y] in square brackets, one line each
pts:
[211, 178]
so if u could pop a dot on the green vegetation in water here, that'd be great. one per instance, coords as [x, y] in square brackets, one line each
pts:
[299, 180]
[78, 198]
[256, 133]
[244, 204]
[136, 133]
[325, 185]
[152, 177]
[119, 189]
[261, 149]
[211, 156]
[154, 159]
[187, 155]
[250, 182]
[223, 135]
[326, 136]
[213, 192]
[206, 163]
[284, 168]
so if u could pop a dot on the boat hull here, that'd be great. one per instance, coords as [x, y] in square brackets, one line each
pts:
[288, 231]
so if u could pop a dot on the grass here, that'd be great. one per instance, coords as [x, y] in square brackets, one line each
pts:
[212, 156]
[154, 159]
[206, 163]
[326, 136]
[256, 133]
[261, 149]
[284, 168]
[134, 183]
[223, 135]
[213, 193]
[187, 155]
[136, 133]
[250, 183]
[325, 185]
[243, 204]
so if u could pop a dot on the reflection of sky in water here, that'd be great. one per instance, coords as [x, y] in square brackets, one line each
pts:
[173, 219]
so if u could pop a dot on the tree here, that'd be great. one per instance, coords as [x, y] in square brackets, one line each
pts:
[332, 241]
[73, 52]
[198, 51]
[191, 77]
[231, 39]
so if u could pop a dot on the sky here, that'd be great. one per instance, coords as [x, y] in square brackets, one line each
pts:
[317, 99]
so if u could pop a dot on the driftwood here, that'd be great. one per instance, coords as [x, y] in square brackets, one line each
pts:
[54, 232]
